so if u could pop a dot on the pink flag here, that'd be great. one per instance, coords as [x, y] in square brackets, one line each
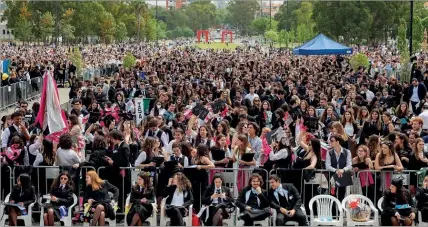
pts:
[50, 115]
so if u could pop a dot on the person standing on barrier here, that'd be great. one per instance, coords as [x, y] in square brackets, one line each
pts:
[397, 205]
[287, 202]
[253, 202]
[61, 197]
[339, 161]
[18, 128]
[23, 194]
[97, 197]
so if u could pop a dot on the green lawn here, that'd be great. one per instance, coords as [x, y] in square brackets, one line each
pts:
[217, 46]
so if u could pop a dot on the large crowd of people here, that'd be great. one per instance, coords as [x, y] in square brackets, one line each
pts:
[249, 111]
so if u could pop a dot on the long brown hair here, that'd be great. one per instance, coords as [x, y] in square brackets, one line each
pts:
[245, 144]
[183, 183]
[416, 151]
[96, 181]
[391, 149]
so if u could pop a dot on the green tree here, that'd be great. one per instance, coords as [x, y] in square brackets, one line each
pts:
[201, 14]
[66, 29]
[177, 32]
[285, 17]
[187, 32]
[129, 60]
[76, 58]
[161, 29]
[106, 26]
[241, 13]
[359, 60]
[418, 34]
[402, 43]
[271, 36]
[261, 25]
[47, 25]
[120, 32]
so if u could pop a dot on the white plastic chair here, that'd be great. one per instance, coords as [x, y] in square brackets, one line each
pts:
[363, 200]
[27, 218]
[379, 204]
[66, 220]
[265, 222]
[421, 223]
[152, 220]
[325, 204]
[107, 220]
[164, 219]
[288, 223]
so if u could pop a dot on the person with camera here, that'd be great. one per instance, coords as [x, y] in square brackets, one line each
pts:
[286, 200]
[216, 199]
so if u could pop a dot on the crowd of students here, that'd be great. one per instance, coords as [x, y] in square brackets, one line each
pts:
[246, 109]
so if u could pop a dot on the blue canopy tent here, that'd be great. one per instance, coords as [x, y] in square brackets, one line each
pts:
[322, 45]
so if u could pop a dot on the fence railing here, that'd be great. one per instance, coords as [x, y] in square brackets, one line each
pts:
[24, 90]
[309, 183]
[28, 90]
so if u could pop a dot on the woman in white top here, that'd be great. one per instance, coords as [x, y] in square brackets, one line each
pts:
[151, 148]
[179, 197]
[76, 130]
[349, 125]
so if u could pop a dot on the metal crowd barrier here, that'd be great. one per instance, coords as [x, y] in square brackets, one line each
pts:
[24, 90]
[6, 175]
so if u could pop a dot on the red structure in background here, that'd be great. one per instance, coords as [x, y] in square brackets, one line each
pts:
[205, 33]
[225, 33]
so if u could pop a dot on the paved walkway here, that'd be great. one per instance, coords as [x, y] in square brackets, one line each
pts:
[63, 98]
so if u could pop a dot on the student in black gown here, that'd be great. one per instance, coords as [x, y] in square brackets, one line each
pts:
[395, 196]
[179, 197]
[422, 198]
[22, 194]
[286, 200]
[198, 176]
[214, 199]
[253, 202]
[61, 198]
[96, 194]
[142, 197]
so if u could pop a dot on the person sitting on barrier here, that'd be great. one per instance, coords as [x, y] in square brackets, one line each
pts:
[97, 157]
[148, 152]
[23, 194]
[61, 197]
[66, 154]
[397, 205]
[253, 202]
[179, 197]
[96, 195]
[215, 198]
[142, 197]
[219, 148]
[287, 202]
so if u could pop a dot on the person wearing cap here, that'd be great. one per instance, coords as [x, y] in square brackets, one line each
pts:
[397, 205]
[417, 92]
[424, 116]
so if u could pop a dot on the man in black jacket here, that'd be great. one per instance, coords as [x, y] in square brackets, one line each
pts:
[285, 199]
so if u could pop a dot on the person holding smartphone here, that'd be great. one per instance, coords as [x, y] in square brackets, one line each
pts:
[215, 199]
